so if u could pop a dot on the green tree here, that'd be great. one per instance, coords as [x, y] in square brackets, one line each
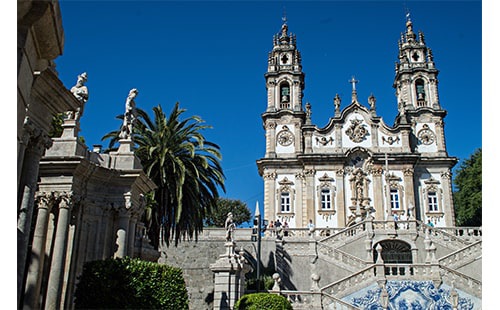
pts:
[468, 196]
[217, 217]
[185, 167]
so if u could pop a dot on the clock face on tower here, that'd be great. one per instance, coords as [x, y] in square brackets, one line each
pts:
[285, 137]
[426, 136]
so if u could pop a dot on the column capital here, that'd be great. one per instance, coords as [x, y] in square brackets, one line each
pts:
[270, 175]
[408, 172]
[45, 200]
[446, 175]
[66, 199]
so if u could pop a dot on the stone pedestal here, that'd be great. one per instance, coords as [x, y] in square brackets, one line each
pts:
[229, 280]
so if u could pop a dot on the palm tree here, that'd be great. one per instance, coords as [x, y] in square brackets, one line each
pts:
[184, 166]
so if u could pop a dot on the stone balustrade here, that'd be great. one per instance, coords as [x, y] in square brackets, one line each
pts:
[337, 256]
[461, 281]
[302, 299]
[330, 302]
[346, 234]
[351, 283]
[463, 256]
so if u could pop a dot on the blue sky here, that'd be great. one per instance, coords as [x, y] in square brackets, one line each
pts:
[211, 57]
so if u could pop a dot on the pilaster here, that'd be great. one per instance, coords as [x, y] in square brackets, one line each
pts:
[269, 195]
[448, 199]
[341, 207]
[378, 193]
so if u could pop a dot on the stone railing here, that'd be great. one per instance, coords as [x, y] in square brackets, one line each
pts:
[462, 281]
[333, 303]
[470, 234]
[414, 272]
[349, 233]
[303, 299]
[444, 237]
[463, 256]
[351, 283]
[341, 258]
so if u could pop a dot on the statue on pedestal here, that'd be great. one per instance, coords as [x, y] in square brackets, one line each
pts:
[130, 115]
[230, 227]
[81, 93]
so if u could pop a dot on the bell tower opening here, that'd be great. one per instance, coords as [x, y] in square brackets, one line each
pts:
[285, 96]
[420, 90]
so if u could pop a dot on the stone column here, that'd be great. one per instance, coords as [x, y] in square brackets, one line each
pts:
[270, 195]
[409, 190]
[44, 202]
[270, 139]
[300, 220]
[339, 180]
[441, 144]
[310, 196]
[378, 194]
[26, 196]
[55, 282]
[338, 136]
[448, 199]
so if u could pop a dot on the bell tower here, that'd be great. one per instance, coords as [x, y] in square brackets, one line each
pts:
[416, 85]
[284, 77]
[416, 80]
[284, 115]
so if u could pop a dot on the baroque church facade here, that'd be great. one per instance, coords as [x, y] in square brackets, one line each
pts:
[357, 165]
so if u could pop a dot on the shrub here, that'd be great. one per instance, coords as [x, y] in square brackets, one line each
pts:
[130, 284]
[262, 301]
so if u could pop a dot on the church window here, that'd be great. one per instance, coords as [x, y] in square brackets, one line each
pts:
[285, 197]
[433, 197]
[432, 201]
[285, 202]
[325, 192]
[394, 199]
[326, 199]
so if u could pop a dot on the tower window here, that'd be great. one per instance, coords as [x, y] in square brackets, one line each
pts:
[394, 199]
[326, 199]
[285, 202]
[420, 87]
[432, 201]
[285, 96]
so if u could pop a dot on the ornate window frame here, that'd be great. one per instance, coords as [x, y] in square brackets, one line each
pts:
[326, 183]
[285, 187]
[394, 186]
[432, 186]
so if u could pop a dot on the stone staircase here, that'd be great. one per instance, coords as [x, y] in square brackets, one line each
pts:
[465, 243]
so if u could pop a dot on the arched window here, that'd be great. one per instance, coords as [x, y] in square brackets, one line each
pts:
[285, 96]
[420, 88]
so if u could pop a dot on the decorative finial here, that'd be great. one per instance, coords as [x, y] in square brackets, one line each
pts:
[284, 16]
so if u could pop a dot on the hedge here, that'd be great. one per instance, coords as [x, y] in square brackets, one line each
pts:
[130, 284]
[262, 301]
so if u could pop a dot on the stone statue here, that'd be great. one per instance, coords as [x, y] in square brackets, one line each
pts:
[230, 227]
[81, 93]
[129, 116]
